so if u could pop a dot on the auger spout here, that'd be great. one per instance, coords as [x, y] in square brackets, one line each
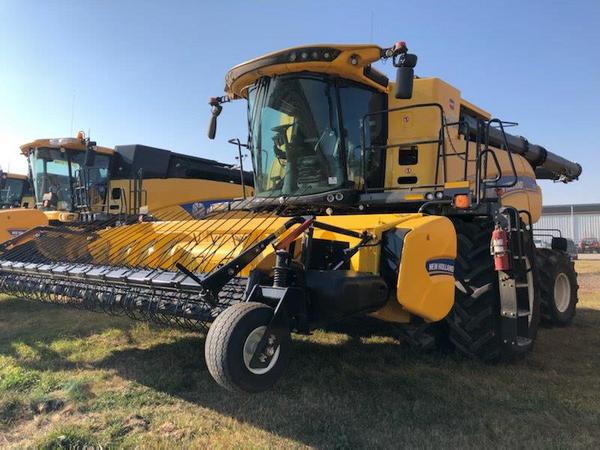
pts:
[547, 165]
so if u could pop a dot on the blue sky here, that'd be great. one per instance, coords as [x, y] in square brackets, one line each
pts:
[142, 71]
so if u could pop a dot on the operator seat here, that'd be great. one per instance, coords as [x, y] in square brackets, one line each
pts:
[305, 166]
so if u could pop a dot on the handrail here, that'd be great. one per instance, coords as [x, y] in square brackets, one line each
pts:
[440, 141]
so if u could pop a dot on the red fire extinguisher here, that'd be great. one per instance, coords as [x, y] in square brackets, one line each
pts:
[500, 249]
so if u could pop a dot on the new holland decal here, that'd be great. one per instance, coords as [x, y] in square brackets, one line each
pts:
[441, 266]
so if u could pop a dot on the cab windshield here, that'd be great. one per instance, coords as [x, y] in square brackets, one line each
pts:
[305, 133]
[56, 173]
[11, 192]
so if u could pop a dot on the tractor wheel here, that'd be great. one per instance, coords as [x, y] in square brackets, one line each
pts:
[558, 281]
[230, 345]
[474, 321]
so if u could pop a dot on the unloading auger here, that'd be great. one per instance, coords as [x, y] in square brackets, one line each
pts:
[399, 200]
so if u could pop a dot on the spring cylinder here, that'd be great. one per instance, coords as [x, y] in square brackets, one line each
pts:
[281, 271]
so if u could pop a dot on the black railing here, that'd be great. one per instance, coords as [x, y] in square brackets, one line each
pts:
[479, 135]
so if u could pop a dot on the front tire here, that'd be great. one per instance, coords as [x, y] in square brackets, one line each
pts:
[475, 319]
[230, 344]
[558, 281]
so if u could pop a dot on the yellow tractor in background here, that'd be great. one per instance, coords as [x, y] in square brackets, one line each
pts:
[15, 191]
[399, 200]
[16, 197]
[76, 182]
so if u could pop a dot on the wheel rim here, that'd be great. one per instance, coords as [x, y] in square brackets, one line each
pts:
[250, 347]
[562, 292]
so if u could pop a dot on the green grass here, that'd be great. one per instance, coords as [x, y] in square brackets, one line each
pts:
[72, 379]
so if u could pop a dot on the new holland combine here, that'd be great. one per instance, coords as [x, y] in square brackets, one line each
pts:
[400, 200]
[76, 182]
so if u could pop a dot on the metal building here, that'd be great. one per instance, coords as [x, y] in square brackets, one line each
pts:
[574, 221]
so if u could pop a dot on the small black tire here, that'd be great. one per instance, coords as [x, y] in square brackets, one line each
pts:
[474, 321]
[231, 337]
[558, 285]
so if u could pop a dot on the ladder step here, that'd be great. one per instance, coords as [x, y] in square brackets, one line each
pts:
[523, 313]
[522, 341]
[521, 285]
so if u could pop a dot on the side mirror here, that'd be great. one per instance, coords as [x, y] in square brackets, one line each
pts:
[212, 125]
[404, 82]
[405, 74]
[90, 155]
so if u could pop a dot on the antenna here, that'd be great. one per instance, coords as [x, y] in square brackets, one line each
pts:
[72, 113]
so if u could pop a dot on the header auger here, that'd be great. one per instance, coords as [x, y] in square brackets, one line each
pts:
[398, 200]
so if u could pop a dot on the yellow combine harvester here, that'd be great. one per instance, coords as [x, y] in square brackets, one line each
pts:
[77, 182]
[396, 199]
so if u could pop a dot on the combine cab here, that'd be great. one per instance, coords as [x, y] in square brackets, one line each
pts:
[15, 191]
[16, 203]
[401, 200]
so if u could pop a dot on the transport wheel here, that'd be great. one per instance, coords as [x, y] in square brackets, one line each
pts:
[474, 321]
[231, 342]
[558, 285]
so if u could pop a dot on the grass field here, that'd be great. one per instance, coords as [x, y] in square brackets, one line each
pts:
[72, 378]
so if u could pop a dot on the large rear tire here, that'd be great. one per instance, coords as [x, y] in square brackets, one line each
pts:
[558, 285]
[230, 344]
[474, 322]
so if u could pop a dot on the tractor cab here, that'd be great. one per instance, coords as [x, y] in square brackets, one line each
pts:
[306, 107]
[69, 175]
[305, 135]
